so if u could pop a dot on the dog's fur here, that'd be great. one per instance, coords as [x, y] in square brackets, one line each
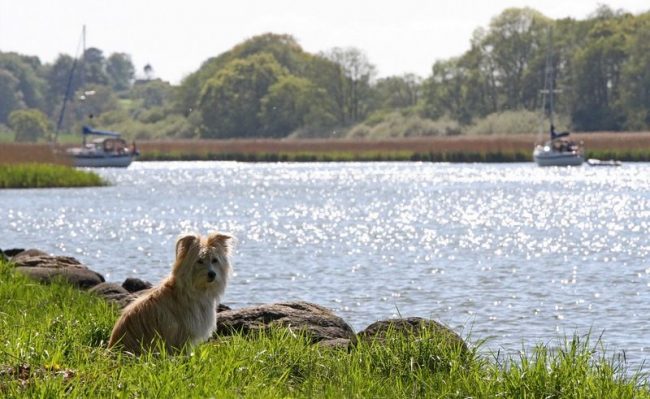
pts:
[182, 309]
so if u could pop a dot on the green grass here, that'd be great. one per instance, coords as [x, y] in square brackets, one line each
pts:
[45, 175]
[53, 344]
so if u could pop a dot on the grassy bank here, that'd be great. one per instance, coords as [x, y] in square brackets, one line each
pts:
[497, 148]
[45, 175]
[53, 338]
[629, 147]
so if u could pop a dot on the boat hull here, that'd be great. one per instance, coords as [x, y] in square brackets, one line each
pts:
[557, 158]
[116, 161]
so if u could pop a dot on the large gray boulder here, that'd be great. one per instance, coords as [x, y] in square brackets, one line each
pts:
[134, 284]
[45, 268]
[413, 327]
[320, 324]
[113, 292]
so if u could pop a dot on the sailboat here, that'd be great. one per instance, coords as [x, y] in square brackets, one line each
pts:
[559, 150]
[108, 149]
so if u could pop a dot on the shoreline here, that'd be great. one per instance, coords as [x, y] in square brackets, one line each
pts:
[67, 328]
[626, 147]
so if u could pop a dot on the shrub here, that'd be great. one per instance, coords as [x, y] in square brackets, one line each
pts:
[514, 122]
[397, 125]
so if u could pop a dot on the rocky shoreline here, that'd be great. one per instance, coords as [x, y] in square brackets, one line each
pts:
[318, 323]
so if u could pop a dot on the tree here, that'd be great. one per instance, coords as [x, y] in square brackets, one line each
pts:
[596, 84]
[94, 67]
[398, 91]
[26, 70]
[120, 71]
[284, 49]
[153, 93]
[635, 78]
[58, 76]
[230, 102]
[93, 101]
[446, 91]
[29, 124]
[358, 73]
[516, 44]
[9, 96]
[329, 76]
[291, 103]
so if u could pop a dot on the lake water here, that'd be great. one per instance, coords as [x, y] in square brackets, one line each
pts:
[514, 253]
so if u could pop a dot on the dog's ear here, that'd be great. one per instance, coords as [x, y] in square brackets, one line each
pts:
[183, 245]
[219, 240]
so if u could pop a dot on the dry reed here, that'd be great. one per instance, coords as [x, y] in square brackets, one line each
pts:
[15, 153]
[615, 143]
[470, 144]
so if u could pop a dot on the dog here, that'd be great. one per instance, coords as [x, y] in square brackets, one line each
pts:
[182, 309]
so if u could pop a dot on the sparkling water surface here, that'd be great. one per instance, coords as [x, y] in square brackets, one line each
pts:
[511, 253]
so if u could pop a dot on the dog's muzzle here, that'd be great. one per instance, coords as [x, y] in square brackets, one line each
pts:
[211, 276]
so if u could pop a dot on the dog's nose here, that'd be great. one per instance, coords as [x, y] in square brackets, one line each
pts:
[211, 275]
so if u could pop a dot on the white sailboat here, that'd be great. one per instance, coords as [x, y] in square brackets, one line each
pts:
[560, 150]
[109, 149]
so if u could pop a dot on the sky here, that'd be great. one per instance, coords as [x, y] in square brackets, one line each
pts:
[175, 37]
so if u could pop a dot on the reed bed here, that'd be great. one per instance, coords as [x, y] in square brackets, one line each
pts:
[53, 344]
[631, 146]
[498, 148]
[14, 153]
[38, 175]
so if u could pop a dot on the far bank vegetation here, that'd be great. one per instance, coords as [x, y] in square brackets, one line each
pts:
[269, 87]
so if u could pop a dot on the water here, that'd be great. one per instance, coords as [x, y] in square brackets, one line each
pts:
[516, 254]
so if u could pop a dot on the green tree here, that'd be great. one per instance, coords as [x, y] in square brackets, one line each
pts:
[597, 69]
[120, 71]
[9, 95]
[516, 44]
[29, 124]
[358, 73]
[635, 77]
[293, 102]
[446, 91]
[284, 49]
[329, 76]
[93, 101]
[94, 67]
[153, 93]
[57, 76]
[398, 91]
[27, 71]
[230, 102]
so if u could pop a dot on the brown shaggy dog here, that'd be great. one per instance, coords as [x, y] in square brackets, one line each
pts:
[182, 309]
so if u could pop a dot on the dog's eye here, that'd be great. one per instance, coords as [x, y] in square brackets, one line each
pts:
[200, 262]
[215, 260]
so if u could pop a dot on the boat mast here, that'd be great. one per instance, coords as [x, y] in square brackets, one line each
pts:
[68, 87]
[549, 80]
[550, 76]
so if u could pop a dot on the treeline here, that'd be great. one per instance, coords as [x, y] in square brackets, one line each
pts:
[268, 86]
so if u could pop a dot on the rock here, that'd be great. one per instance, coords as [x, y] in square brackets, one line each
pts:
[133, 284]
[45, 268]
[317, 322]
[222, 308]
[19, 252]
[108, 289]
[113, 292]
[413, 326]
[9, 253]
